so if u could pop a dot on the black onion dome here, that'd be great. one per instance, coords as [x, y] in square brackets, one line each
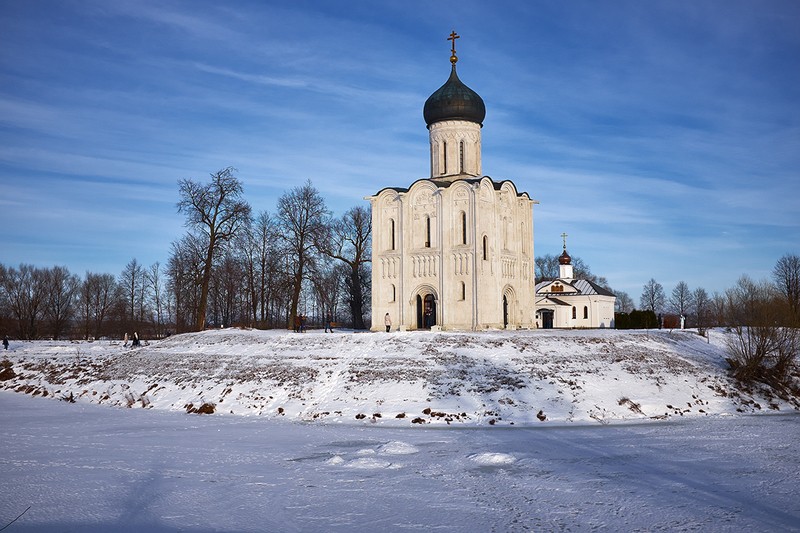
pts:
[454, 101]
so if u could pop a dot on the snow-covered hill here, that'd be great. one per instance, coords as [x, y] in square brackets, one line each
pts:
[403, 378]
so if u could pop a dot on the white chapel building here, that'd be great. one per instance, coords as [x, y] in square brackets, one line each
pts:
[453, 251]
[567, 302]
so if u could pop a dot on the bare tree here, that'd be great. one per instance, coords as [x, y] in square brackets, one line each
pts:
[702, 307]
[652, 296]
[130, 282]
[261, 256]
[624, 303]
[718, 308]
[61, 294]
[302, 217]
[680, 301]
[218, 211]
[226, 295]
[787, 279]
[25, 290]
[546, 267]
[99, 295]
[349, 242]
[153, 278]
[184, 272]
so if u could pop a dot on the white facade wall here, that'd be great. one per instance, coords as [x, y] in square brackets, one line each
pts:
[464, 244]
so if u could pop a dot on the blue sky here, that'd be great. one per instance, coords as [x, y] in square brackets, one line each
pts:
[663, 137]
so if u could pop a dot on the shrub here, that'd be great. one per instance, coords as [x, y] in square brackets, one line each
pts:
[760, 346]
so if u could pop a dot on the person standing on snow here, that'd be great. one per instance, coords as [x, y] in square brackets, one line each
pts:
[329, 323]
[388, 321]
[5, 342]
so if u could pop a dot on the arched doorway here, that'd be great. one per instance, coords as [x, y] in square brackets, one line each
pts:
[426, 311]
[510, 309]
[547, 318]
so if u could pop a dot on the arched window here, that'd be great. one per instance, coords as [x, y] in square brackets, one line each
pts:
[485, 248]
[574, 312]
[391, 233]
[461, 157]
[463, 228]
[463, 291]
[394, 294]
[427, 231]
[585, 312]
[444, 157]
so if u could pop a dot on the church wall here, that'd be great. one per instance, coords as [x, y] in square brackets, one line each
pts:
[468, 289]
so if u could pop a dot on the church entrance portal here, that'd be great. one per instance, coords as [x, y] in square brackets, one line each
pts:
[426, 311]
[547, 319]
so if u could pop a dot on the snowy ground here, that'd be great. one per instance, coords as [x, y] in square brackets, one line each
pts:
[467, 379]
[87, 468]
[501, 431]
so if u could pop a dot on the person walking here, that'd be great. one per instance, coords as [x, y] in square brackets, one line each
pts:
[125, 344]
[5, 342]
[329, 323]
[388, 321]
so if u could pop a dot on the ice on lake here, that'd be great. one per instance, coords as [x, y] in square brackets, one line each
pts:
[86, 468]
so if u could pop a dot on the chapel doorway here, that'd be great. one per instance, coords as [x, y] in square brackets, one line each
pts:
[426, 311]
[547, 319]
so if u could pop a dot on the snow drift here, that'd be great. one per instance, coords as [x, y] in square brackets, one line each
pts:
[403, 378]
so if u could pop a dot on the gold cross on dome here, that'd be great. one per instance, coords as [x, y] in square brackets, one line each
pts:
[564, 236]
[453, 37]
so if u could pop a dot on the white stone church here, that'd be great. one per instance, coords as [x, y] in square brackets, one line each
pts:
[453, 251]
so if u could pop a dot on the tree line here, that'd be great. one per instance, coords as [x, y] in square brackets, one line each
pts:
[701, 310]
[230, 268]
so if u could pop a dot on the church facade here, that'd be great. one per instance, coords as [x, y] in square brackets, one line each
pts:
[567, 302]
[453, 251]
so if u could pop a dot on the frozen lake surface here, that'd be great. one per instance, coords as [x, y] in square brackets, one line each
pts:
[82, 467]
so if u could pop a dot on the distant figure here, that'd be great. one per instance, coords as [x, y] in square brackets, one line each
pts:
[5, 342]
[125, 339]
[302, 323]
[297, 324]
[135, 339]
[329, 323]
[388, 321]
